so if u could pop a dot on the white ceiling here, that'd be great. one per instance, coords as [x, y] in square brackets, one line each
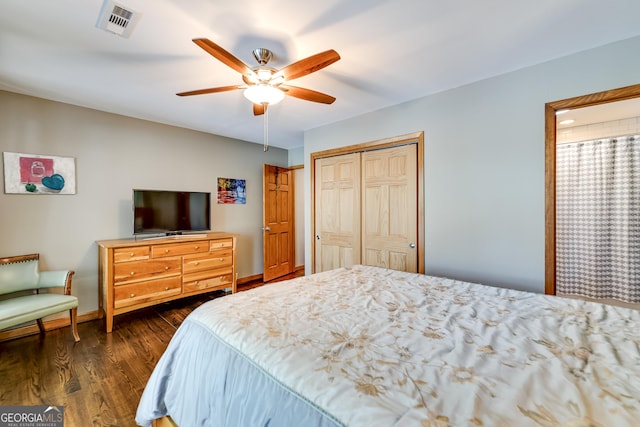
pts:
[392, 51]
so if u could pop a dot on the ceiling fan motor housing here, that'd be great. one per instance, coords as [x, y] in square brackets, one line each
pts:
[262, 55]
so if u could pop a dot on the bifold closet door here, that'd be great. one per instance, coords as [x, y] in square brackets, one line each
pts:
[390, 208]
[366, 209]
[337, 212]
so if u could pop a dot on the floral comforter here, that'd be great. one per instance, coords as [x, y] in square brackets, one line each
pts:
[375, 347]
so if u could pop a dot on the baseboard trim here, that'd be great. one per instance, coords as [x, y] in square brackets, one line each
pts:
[249, 279]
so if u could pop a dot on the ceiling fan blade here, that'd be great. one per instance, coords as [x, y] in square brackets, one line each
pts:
[223, 56]
[258, 109]
[307, 94]
[308, 65]
[211, 90]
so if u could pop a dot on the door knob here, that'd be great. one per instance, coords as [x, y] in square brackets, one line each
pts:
[412, 245]
[266, 228]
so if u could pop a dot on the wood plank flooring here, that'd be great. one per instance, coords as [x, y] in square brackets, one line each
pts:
[100, 379]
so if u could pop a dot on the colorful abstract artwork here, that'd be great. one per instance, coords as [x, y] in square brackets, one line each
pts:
[232, 191]
[36, 174]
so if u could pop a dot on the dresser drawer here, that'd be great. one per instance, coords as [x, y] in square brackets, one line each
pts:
[147, 269]
[206, 280]
[222, 243]
[221, 258]
[177, 249]
[136, 293]
[133, 253]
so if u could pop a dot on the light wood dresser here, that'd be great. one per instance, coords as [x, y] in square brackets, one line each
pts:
[140, 273]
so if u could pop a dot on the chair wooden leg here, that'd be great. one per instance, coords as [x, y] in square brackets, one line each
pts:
[40, 325]
[73, 315]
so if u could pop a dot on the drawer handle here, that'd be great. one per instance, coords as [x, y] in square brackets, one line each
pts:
[166, 251]
[166, 267]
[166, 288]
[197, 247]
[131, 254]
[133, 295]
[220, 259]
[132, 273]
[196, 263]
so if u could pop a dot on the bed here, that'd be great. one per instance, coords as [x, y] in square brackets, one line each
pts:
[367, 346]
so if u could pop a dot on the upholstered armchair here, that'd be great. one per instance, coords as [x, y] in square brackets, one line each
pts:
[21, 299]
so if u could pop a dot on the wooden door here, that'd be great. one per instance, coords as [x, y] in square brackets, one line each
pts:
[390, 208]
[278, 222]
[337, 211]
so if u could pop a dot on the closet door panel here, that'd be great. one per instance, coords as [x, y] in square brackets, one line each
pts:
[337, 219]
[389, 201]
[400, 261]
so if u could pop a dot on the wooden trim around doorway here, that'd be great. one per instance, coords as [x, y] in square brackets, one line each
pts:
[597, 98]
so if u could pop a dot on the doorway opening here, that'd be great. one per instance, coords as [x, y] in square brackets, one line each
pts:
[581, 108]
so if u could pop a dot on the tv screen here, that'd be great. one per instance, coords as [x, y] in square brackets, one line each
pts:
[170, 212]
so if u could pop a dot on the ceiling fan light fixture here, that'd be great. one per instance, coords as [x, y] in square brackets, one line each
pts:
[264, 74]
[278, 79]
[263, 94]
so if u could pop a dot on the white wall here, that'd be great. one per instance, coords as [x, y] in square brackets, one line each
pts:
[296, 158]
[299, 216]
[115, 154]
[484, 162]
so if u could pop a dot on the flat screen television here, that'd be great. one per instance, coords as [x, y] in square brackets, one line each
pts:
[170, 212]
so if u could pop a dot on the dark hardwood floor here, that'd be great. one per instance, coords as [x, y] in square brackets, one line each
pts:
[100, 379]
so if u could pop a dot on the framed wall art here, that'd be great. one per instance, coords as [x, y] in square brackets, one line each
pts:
[38, 174]
[232, 191]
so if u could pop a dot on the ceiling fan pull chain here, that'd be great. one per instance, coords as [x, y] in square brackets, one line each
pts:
[266, 127]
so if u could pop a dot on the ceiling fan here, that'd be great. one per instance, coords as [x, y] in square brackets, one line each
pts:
[265, 85]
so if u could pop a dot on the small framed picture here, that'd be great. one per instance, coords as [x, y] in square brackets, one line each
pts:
[232, 191]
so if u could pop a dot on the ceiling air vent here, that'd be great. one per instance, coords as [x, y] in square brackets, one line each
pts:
[117, 19]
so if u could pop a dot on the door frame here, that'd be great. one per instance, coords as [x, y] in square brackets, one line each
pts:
[410, 138]
[550, 108]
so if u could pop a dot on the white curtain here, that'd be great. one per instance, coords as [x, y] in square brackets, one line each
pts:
[598, 218]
